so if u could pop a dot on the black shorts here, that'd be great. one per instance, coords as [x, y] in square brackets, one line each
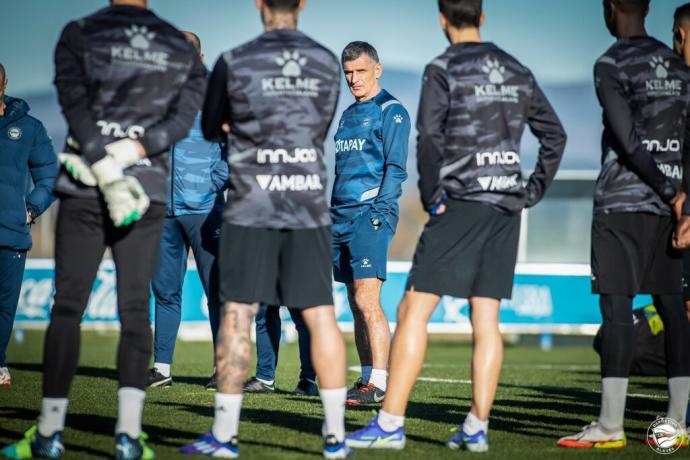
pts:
[632, 254]
[275, 267]
[469, 251]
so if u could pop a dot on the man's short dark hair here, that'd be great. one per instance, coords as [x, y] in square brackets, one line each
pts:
[282, 5]
[195, 40]
[461, 13]
[632, 6]
[681, 15]
[2, 73]
[354, 50]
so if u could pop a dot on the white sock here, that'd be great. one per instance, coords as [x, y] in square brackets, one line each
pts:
[266, 382]
[678, 389]
[130, 403]
[389, 422]
[366, 374]
[52, 419]
[163, 368]
[473, 425]
[333, 401]
[614, 391]
[379, 377]
[226, 423]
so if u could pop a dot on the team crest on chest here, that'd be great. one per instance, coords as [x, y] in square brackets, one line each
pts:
[14, 133]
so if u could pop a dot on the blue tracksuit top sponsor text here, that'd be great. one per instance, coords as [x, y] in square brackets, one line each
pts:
[198, 174]
[370, 157]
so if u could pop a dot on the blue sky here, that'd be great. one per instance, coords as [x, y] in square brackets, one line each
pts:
[558, 39]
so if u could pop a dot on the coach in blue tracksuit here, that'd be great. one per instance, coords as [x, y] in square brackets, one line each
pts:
[370, 154]
[198, 177]
[26, 155]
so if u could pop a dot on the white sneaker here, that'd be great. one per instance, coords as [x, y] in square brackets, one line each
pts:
[5, 379]
[593, 436]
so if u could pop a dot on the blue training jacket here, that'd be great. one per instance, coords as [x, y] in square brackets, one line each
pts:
[198, 174]
[26, 157]
[370, 158]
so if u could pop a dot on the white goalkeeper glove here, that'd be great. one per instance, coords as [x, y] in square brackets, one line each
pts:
[126, 199]
[77, 168]
[124, 151]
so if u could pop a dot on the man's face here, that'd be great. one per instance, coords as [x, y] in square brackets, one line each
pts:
[609, 17]
[3, 86]
[362, 75]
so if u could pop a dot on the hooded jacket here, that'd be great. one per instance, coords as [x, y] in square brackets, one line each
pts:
[26, 157]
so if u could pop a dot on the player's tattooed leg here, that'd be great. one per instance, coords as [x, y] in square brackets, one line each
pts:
[233, 352]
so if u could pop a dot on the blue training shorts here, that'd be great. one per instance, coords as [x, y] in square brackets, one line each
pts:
[359, 249]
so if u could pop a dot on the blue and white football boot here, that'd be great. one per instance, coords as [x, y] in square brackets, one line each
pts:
[373, 436]
[478, 442]
[207, 444]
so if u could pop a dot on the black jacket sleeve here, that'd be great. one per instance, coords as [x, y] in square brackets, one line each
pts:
[545, 125]
[73, 92]
[333, 100]
[686, 159]
[175, 125]
[216, 109]
[618, 116]
[431, 123]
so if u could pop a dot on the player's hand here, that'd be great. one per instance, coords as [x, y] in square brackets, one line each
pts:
[126, 199]
[126, 152]
[77, 168]
[226, 128]
[677, 205]
[438, 209]
[681, 236]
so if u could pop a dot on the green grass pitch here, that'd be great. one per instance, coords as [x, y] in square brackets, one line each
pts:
[542, 396]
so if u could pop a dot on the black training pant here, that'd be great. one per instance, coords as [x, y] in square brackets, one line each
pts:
[618, 337]
[84, 229]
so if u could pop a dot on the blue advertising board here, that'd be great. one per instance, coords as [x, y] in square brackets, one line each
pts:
[547, 298]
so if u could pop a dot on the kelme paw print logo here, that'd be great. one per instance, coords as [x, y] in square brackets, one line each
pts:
[291, 63]
[398, 118]
[660, 66]
[495, 71]
[139, 37]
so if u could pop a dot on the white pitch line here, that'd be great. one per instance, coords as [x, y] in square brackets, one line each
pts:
[435, 380]
[641, 395]
[422, 379]
[546, 366]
